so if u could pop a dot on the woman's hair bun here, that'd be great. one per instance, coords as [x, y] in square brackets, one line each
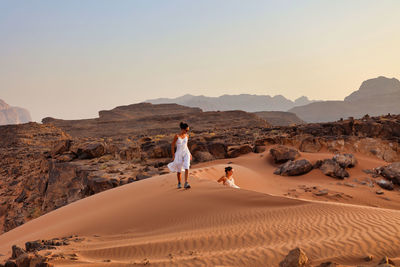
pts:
[227, 169]
[183, 125]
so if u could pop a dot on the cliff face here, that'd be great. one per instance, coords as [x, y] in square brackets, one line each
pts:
[13, 115]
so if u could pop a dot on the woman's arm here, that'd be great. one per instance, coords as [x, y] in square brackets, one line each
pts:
[173, 146]
[222, 179]
[189, 151]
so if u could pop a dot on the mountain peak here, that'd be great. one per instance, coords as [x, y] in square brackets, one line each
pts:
[373, 87]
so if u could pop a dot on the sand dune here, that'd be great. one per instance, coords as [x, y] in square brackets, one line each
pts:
[150, 221]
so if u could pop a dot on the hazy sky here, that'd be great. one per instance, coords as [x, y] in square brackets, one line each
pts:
[69, 59]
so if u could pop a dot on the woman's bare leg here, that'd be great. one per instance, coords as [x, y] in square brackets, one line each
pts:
[178, 175]
[186, 175]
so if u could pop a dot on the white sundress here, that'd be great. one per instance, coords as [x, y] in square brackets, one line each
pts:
[231, 183]
[182, 156]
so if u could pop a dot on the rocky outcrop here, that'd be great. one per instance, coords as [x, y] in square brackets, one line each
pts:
[331, 168]
[281, 154]
[238, 151]
[391, 172]
[345, 160]
[296, 258]
[385, 184]
[294, 168]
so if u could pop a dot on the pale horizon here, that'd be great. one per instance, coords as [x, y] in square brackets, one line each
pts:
[71, 59]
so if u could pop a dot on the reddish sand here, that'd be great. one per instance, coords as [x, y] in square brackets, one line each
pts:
[212, 225]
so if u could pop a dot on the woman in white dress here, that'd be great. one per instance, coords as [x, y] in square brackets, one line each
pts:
[182, 157]
[227, 179]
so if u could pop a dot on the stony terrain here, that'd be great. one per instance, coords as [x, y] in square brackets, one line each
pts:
[47, 166]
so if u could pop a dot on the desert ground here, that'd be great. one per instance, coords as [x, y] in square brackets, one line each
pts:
[150, 222]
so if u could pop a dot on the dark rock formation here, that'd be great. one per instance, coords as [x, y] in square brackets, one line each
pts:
[391, 172]
[345, 160]
[281, 154]
[293, 168]
[385, 184]
[331, 168]
[238, 151]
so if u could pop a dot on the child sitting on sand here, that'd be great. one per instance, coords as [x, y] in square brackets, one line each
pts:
[227, 179]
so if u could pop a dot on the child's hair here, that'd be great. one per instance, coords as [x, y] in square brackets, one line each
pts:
[183, 125]
[227, 169]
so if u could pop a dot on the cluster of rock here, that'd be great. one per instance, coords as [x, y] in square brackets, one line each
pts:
[30, 256]
[298, 258]
[334, 167]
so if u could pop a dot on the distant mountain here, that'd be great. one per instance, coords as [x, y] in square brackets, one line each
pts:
[279, 118]
[245, 102]
[378, 96]
[13, 115]
[375, 88]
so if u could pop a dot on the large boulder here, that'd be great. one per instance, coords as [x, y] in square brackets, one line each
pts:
[385, 184]
[32, 246]
[61, 147]
[331, 168]
[89, 150]
[99, 184]
[218, 150]
[345, 160]
[295, 258]
[238, 151]
[203, 156]
[391, 172]
[293, 168]
[17, 251]
[281, 154]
